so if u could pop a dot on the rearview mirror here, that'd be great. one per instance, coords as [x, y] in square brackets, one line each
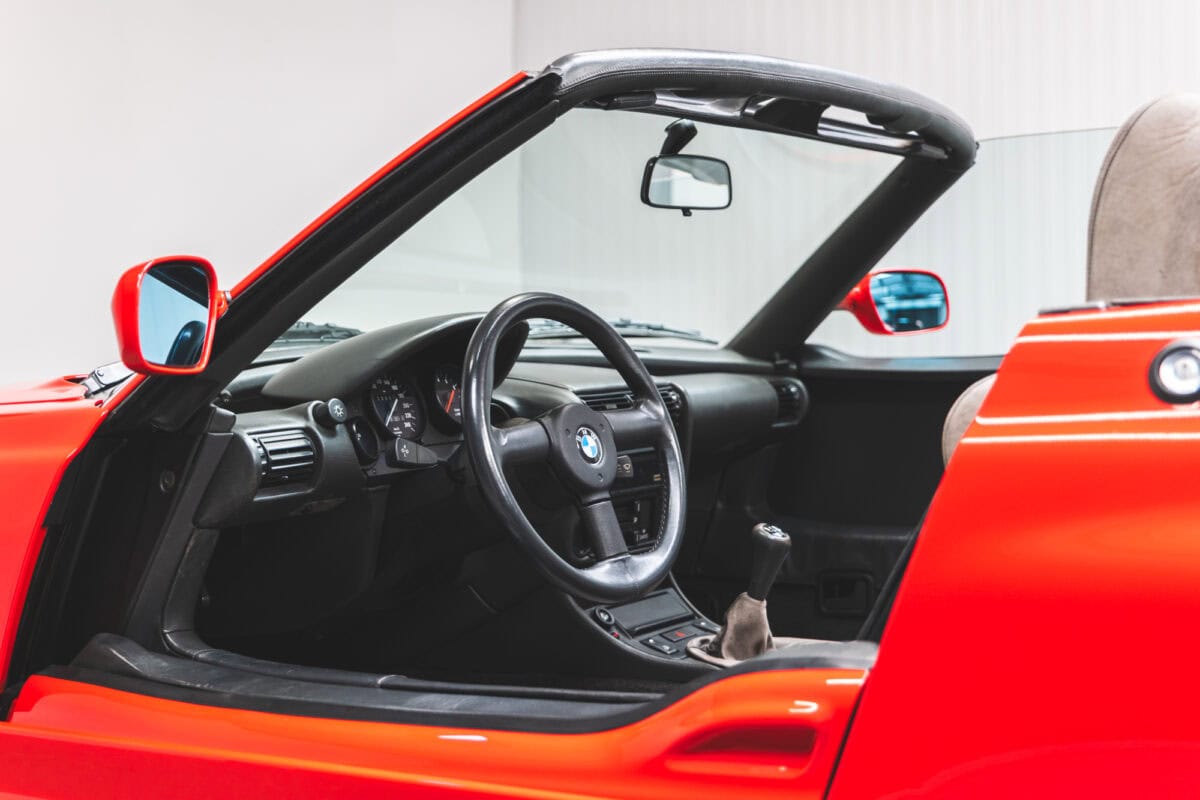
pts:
[898, 301]
[686, 183]
[164, 311]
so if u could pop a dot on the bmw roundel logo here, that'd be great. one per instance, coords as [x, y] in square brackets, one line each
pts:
[589, 445]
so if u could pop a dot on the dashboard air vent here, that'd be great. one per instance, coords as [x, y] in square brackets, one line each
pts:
[673, 401]
[285, 456]
[614, 399]
[607, 400]
[793, 400]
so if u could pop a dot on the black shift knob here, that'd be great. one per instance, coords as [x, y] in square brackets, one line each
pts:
[771, 547]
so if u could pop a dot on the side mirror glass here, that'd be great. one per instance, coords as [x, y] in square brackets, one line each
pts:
[686, 183]
[898, 301]
[165, 311]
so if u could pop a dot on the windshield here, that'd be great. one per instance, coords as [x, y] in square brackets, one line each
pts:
[1009, 239]
[563, 214]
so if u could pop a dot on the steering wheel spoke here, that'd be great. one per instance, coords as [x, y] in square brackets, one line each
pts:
[525, 443]
[634, 427]
[580, 446]
[603, 530]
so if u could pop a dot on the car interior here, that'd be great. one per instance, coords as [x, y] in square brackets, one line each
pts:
[547, 514]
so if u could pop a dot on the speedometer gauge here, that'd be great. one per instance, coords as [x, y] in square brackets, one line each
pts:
[447, 392]
[397, 407]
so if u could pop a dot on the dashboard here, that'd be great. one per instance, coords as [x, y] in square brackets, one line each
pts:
[401, 391]
[401, 386]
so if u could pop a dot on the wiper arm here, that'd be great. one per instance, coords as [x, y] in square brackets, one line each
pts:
[551, 329]
[304, 331]
[638, 328]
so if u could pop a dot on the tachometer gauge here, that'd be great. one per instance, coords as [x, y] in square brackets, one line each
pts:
[446, 391]
[397, 407]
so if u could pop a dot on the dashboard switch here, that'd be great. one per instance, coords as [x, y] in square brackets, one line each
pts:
[624, 467]
[366, 443]
[404, 453]
[330, 414]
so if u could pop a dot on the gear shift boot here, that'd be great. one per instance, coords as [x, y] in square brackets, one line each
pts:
[746, 632]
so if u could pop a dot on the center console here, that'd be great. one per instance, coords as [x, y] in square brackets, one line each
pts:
[660, 623]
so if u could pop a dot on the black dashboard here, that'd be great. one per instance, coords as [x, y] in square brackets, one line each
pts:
[400, 389]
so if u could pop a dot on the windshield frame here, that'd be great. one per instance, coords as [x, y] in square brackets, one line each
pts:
[312, 264]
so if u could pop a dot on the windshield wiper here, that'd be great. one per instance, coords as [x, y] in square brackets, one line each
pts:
[304, 331]
[637, 328]
[551, 329]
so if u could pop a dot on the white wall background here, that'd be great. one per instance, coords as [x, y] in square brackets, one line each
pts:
[1010, 238]
[1006, 66]
[138, 128]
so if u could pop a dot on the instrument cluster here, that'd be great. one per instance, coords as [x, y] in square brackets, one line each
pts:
[398, 402]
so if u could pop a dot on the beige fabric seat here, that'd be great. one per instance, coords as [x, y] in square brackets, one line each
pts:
[962, 414]
[1143, 238]
[1144, 235]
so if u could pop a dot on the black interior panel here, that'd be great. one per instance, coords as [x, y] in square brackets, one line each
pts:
[849, 484]
[869, 451]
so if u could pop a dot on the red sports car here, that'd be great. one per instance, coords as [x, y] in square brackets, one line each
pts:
[333, 533]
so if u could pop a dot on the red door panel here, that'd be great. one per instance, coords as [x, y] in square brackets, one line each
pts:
[41, 429]
[1041, 642]
[770, 734]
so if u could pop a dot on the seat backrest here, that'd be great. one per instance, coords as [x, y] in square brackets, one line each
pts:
[963, 413]
[1144, 236]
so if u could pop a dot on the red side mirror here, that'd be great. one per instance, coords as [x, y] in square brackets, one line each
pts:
[165, 311]
[892, 302]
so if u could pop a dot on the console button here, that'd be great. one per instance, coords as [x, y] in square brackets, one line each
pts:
[658, 644]
[711, 627]
[678, 635]
[604, 616]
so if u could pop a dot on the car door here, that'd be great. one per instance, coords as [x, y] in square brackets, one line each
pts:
[766, 734]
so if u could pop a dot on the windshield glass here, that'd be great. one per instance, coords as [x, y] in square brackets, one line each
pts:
[1009, 239]
[564, 214]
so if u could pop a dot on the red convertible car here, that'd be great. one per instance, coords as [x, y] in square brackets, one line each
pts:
[334, 533]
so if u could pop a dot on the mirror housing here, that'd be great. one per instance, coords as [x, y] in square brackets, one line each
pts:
[165, 311]
[686, 183]
[896, 302]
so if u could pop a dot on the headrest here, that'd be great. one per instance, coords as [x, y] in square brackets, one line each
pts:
[1144, 234]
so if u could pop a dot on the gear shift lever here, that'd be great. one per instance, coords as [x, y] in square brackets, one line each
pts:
[771, 546]
[746, 632]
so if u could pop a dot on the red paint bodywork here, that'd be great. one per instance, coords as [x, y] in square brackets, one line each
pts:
[125, 304]
[1065, 523]
[126, 741]
[41, 429]
[1041, 640]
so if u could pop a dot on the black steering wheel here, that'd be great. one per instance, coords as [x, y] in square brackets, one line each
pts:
[580, 445]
